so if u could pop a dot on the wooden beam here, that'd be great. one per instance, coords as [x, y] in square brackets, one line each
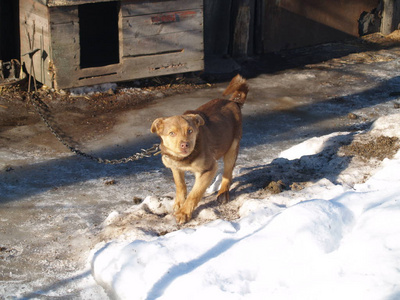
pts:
[390, 16]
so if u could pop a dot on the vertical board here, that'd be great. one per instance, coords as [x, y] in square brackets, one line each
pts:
[390, 16]
[64, 28]
[34, 34]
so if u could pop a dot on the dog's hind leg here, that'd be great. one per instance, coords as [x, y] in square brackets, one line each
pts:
[229, 163]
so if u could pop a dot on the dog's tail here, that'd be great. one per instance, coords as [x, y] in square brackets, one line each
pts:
[238, 88]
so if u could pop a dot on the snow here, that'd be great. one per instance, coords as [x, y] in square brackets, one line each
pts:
[310, 147]
[327, 241]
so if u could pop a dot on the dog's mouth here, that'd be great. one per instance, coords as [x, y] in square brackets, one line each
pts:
[185, 152]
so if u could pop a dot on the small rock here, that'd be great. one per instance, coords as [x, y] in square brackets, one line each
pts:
[295, 186]
[396, 105]
[352, 116]
[275, 187]
[9, 168]
[137, 200]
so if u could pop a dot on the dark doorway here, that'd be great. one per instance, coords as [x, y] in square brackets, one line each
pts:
[98, 31]
[9, 30]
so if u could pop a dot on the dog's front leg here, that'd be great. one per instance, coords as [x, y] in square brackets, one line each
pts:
[181, 190]
[203, 180]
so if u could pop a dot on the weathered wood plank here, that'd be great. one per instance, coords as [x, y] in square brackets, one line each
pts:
[137, 8]
[55, 3]
[174, 42]
[130, 68]
[64, 26]
[28, 7]
[67, 33]
[64, 14]
[155, 24]
[64, 73]
[33, 13]
[99, 71]
[149, 66]
[66, 58]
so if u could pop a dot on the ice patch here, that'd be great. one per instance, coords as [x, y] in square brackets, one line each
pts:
[387, 126]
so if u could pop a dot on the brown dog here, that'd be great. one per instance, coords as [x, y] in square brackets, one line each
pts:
[195, 141]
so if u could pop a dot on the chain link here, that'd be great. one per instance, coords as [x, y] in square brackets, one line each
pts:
[37, 102]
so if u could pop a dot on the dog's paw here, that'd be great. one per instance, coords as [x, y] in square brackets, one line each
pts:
[182, 216]
[177, 206]
[179, 203]
[223, 197]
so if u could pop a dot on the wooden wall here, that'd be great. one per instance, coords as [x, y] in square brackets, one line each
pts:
[159, 37]
[297, 23]
[275, 25]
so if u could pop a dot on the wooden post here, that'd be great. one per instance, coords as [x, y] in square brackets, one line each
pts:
[242, 35]
[390, 16]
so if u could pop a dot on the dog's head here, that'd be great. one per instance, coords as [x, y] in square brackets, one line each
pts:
[178, 133]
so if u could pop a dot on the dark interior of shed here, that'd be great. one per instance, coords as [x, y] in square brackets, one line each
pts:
[98, 31]
[9, 30]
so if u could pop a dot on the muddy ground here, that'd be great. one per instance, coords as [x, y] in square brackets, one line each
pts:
[91, 115]
[54, 207]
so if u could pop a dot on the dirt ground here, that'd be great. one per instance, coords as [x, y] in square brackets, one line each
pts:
[90, 115]
[46, 237]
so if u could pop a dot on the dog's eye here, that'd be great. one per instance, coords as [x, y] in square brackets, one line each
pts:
[190, 131]
[172, 133]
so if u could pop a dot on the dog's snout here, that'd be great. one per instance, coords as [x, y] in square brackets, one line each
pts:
[184, 145]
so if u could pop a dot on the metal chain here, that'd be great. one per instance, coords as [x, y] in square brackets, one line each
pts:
[154, 150]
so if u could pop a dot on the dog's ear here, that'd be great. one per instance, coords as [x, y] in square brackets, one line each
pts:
[157, 126]
[198, 120]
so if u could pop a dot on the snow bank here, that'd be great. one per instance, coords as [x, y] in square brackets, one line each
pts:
[344, 247]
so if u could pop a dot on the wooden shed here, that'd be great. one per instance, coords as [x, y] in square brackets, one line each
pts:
[82, 42]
